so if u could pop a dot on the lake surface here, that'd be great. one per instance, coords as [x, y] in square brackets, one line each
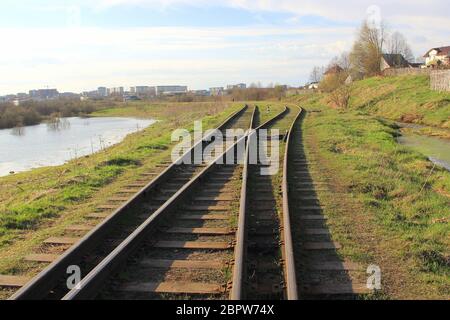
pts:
[436, 149]
[51, 144]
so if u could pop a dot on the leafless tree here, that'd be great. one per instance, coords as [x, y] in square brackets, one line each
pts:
[344, 61]
[398, 44]
[368, 48]
[316, 74]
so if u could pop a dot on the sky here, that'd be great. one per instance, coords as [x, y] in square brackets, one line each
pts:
[80, 45]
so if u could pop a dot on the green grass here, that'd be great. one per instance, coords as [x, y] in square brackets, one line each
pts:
[406, 98]
[403, 200]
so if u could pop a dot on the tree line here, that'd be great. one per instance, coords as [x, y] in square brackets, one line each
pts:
[34, 112]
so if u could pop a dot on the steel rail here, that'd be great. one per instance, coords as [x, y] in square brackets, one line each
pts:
[39, 286]
[288, 252]
[91, 283]
[237, 290]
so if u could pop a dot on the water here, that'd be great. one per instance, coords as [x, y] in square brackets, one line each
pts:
[436, 149]
[52, 144]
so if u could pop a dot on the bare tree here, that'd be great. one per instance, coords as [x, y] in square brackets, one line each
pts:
[316, 74]
[398, 44]
[344, 61]
[368, 48]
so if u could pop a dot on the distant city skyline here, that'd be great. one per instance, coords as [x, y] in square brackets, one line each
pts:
[103, 90]
[83, 44]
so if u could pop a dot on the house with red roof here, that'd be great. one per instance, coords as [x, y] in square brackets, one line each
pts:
[438, 56]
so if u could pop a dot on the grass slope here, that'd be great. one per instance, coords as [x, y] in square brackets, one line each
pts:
[394, 207]
[403, 98]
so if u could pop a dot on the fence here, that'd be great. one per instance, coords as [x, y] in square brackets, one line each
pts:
[440, 80]
[406, 71]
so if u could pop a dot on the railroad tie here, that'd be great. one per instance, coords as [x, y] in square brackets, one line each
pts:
[204, 231]
[61, 240]
[193, 245]
[41, 257]
[148, 174]
[8, 281]
[174, 287]
[119, 199]
[206, 208]
[204, 217]
[136, 185]
[98, 215]
[214, 198]
[183, 264]
[107, 207]
[127, 191]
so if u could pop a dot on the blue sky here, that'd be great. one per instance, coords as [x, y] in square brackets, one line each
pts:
[79, 45]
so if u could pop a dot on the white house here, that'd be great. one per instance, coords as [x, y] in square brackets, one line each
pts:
[438, 56]
[313, 85]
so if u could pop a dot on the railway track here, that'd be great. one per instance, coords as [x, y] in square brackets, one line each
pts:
[264, 262]
[186, 249]
[214, 231]
[87, 244]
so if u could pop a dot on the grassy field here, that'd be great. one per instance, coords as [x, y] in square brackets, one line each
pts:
[390, 205]
[403, 98]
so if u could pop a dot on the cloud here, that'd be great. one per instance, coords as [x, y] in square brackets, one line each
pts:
[83, 58]
[342, 11]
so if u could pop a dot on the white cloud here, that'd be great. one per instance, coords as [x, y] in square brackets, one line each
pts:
[341, 11]
[83, 58]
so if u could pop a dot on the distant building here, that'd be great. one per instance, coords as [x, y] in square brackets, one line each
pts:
[89, 95]
[216, 91]
[391, 61]
[143, 91]
[69, 95]
[43, 94]
[102, 91]
[333, 70]
[22, 95]
[438, 56]
[168, 90]
[202, 93]
[236, 86]
[117, 91]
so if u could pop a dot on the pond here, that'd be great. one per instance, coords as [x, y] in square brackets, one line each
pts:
[436, 149]
[54, 143]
